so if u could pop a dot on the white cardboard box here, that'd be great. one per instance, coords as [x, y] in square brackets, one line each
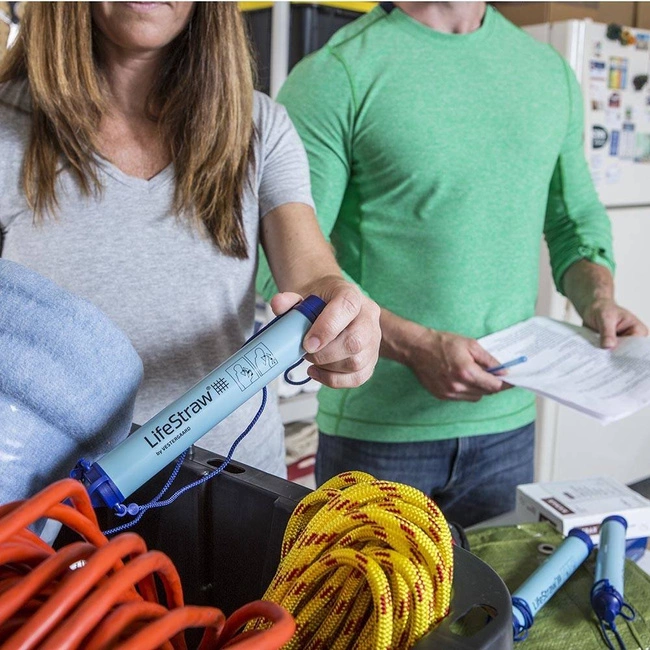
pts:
[584, 504]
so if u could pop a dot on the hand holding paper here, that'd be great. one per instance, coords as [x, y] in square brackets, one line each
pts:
[565, 363]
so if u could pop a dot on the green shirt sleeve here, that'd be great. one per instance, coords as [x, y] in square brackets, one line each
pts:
[319, 99]
[576, 225]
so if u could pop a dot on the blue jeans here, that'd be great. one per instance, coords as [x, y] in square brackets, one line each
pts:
[471, 478]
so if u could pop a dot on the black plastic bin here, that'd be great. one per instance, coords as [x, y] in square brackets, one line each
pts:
[225, 536]
[311, 26]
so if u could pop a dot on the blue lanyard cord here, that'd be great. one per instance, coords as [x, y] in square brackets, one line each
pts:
[628, 614]
[135, 509]
[521, 631]
[625, 611]
[291, 381]
[611, 627]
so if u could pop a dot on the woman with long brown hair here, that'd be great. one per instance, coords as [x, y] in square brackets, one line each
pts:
[140, 170]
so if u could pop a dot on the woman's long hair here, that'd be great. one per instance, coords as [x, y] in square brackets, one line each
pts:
[202, 101]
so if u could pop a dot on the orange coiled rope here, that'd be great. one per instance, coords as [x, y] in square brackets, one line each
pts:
[366, 564]
[109, 601]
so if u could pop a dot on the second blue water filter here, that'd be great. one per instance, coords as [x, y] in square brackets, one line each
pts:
[535, 592]
[607, 592]
[272, 351]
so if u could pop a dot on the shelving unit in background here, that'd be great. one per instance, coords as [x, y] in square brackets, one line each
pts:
[282, 33]
[299, 408]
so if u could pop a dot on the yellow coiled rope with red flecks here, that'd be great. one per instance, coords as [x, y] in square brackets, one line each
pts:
[365, 564]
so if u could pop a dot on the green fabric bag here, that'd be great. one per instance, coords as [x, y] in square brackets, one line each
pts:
[567, 621]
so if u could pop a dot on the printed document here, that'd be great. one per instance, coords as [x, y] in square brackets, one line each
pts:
[566, 364]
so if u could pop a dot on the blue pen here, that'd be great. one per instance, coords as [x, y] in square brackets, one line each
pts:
[508, 364]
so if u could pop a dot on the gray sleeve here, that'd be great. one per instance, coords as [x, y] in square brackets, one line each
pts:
[283, 166]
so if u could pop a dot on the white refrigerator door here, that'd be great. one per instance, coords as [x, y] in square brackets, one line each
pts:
[617, 115]
[616, 92]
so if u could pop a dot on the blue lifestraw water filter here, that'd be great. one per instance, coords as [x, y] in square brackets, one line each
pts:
[272, 351]
[538, 588]
[607, 591]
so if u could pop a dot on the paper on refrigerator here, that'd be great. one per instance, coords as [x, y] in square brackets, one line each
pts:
[566, 364]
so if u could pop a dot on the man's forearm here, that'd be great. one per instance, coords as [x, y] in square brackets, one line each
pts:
[585, 283]
[590, 287]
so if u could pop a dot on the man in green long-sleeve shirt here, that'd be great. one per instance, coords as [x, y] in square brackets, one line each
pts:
[444, 143]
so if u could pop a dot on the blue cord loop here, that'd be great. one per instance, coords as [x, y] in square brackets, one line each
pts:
[134, 509]
[520, 631]
[632, 614]
[621, 608]
[291, 381]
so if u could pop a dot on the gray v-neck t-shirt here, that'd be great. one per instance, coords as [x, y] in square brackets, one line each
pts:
[185, 306]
